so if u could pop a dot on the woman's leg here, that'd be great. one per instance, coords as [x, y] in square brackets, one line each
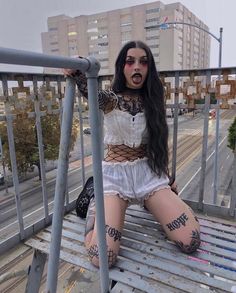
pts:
[115, 208]
[176, 218]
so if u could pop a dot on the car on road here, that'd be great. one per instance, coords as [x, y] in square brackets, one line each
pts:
[212, 114]
[87, 130]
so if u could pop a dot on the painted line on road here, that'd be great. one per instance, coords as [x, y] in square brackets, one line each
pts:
[195, 174]
[28, 215]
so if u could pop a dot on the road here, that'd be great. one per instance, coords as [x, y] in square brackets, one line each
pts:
[188, 178]
[188, 172]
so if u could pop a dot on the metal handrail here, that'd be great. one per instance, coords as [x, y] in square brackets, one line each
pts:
[91, 67]
[42, 60]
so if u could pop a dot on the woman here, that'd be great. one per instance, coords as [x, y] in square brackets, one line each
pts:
[135, 169]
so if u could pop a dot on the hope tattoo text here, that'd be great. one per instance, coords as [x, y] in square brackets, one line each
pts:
[176, 224]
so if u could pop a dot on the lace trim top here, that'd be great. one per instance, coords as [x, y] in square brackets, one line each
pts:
[124, 117]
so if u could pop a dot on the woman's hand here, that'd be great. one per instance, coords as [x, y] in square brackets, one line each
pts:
[173, 185]
[69, 72]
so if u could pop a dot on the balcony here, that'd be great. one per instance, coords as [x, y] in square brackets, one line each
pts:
[147, 261]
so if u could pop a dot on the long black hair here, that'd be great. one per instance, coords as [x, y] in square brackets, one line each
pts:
[154, 107]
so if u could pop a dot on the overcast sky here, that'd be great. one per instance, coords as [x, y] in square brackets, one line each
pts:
[22, 21]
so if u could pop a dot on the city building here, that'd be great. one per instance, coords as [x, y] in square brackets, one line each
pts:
[174, 46]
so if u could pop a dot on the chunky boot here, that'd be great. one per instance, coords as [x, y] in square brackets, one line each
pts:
[84, 198]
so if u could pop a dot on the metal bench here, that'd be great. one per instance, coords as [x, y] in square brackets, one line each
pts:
[148, 262]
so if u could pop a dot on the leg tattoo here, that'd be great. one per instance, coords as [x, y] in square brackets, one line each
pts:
[113, 233]
[112, 257]
[93, 252]
[90, 219]
[194, 244]
[176, 224]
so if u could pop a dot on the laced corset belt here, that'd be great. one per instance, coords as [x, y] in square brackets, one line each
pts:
[122, 153]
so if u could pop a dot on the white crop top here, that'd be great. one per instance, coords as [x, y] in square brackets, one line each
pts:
[123, 128]
[126, 127]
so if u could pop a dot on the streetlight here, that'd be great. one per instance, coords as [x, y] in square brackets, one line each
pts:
[219, 40]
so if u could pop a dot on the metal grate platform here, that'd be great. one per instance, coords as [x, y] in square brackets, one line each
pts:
[148, 262]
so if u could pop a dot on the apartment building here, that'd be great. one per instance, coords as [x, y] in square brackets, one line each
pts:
[103, 34]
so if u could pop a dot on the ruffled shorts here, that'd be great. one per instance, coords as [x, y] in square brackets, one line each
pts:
[133, 181]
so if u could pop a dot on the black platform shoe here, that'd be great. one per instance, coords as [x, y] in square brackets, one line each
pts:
[84, 198]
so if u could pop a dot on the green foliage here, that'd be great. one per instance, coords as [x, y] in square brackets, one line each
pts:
[202, 101]
[25, 138]
[232, 136]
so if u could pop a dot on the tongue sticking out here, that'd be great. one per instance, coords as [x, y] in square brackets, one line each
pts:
[137, 78]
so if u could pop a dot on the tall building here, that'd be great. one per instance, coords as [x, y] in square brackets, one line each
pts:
[102, 35]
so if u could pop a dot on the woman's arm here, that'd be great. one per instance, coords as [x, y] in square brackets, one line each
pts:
[107, 100]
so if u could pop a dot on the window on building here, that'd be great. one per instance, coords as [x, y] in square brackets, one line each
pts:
[152, 38]
[126, 24]
[154, 19]
[72, 34]
[103, 59]
[92, 21]
[53, 29]
[103, 44]
[92, 30]
[154, 46]
[103, 36]
[103, 52]
[152, 10]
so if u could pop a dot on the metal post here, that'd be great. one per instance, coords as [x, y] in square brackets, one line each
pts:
[215, 181]
[204, 144]
[95, 121]
[12, 151]
[233, 189]
[61, 183]
[36, 272]
[216, 171]
[175, 133]
[81, 138]
[41, 149]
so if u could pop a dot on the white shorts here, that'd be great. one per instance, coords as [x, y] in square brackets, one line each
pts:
[133, 181]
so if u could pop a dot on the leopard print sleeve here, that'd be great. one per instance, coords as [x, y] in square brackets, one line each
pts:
[107, 99]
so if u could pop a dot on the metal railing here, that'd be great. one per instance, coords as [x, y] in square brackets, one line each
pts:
[177, 85]
[91, 67]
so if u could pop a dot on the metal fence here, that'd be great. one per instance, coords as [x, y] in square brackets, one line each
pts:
[52, 95]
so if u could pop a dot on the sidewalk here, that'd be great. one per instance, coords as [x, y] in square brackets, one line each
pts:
[34, 182]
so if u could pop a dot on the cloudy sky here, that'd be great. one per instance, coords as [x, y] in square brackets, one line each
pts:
[22, 21]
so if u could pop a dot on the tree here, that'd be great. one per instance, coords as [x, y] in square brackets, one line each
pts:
[232, 146]
[232, 136]
[25, 136]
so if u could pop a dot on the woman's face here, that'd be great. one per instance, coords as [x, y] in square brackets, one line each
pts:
[136, 68]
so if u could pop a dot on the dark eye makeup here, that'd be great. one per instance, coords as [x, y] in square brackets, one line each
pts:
[142, 60]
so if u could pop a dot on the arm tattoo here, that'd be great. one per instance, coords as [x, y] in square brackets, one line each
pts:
[107, 99]
[176, 224]
[113, 233]
[90, 219]
[194, 244]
